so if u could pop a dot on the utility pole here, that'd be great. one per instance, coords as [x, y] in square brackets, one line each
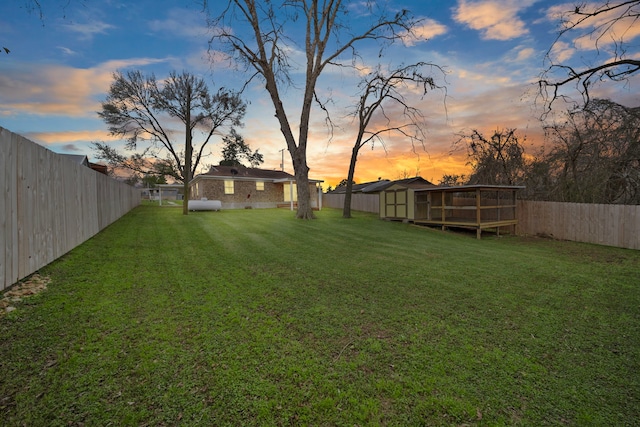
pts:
[282, 161]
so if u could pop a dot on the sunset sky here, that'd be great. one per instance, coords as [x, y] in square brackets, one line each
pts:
[60, 67]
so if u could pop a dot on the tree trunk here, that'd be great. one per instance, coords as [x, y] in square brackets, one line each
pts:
[346, 210]
[298, 151]
[301, 171]
[188, 149]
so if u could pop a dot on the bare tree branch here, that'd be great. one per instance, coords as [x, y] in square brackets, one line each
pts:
[606, 23]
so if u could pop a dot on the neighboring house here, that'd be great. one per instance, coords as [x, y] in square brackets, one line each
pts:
[99, 168]
[163, 192]
[83, 160]
[239, 187]
[80, 159]
[365, 187]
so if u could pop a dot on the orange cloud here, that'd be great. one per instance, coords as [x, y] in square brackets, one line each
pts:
[59, 90]
[495, 19]
[485, 99]
[428, 29]
[561, 52]
[70, 136]
[601, 31]
[524, 54]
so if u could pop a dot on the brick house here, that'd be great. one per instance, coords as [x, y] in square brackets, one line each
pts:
[239, 187]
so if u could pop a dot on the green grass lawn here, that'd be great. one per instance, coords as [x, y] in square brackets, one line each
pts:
[251, 317]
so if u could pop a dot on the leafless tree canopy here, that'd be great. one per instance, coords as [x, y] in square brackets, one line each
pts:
[591, 156]
[274, 31]
[595, 155]
[608, 26]
[497, 160]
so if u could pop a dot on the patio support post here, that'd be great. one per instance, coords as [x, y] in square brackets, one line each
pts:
[478, 214]
[291, 194]
[443, 212]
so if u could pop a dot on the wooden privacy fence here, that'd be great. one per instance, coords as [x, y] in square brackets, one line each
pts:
[50, 205]
[610, 225]
[359, 202]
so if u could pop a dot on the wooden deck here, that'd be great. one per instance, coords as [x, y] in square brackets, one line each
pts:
[468, 224]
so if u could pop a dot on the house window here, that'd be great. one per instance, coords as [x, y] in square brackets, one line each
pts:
[228, 186]
[259, 185]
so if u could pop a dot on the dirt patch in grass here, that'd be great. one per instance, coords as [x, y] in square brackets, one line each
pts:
[29, 287]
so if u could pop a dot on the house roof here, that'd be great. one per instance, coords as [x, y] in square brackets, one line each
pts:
[255, 174]
[248, 173]
[99, 168]
[365, 187]
[80, 159]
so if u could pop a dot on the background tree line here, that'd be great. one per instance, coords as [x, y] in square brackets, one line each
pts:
[591, 155]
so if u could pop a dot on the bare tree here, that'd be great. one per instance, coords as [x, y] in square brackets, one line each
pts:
[610, 25]
[267, 49]
[498, 160]
[595, 155]
[141, 109]
[381, 91]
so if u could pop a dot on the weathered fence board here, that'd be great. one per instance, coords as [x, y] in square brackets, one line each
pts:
[8, 208]
[50, 205]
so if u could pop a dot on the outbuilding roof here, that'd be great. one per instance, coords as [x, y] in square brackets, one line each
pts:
[470, 187]
[416, 183]
[365, 187]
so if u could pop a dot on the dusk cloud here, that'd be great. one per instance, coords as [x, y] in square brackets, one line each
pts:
[598, 32]
[495, 19]
[59, 90]
[88, 30]
[67, 51]
[428, 29]
[182, 23]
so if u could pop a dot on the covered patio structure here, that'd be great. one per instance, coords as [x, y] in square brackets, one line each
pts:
[478, 207]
